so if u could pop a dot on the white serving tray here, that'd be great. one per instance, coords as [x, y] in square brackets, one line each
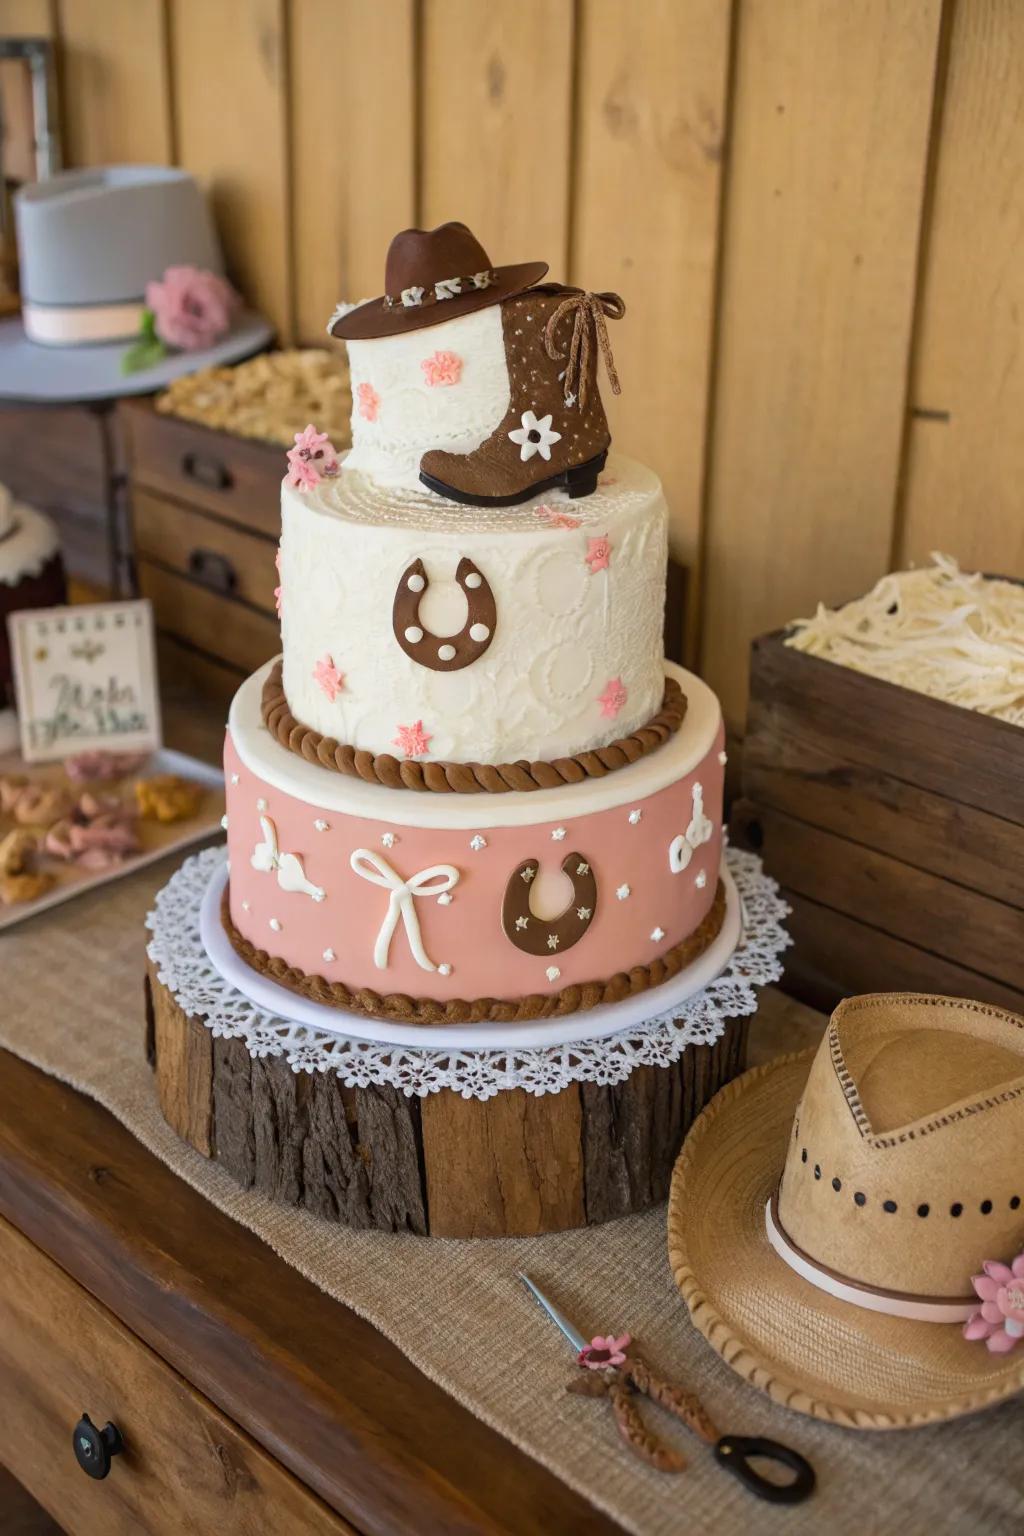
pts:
[590, 1024]
[73, 881]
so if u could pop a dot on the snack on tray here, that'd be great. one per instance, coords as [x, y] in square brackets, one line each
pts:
[270, 397]
[100, 766]
[166, 797]
[20, 879]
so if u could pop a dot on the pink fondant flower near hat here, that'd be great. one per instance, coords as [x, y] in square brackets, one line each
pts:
[613, 698]
[329, 678]
[603, 1352]
[1000, 1320]
[191, 308]
[368, 402]
[412, 740]
[599, 553]
[442, 368]
[556, 518]
[317, 447]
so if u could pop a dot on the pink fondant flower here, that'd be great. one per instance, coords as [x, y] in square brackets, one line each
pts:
[599, 553]
[302, 473]
[1000, 1319]
[412, 740]
[442, 368]
[329, 678]
[556, 518]
[277, 589]
[613, 698]
[317, 447]
[368, 402]
[191, 308]
[603, 1352]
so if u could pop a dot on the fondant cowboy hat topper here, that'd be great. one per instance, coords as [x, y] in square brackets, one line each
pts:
[122, 286]
[846, 1225]
[433, 275]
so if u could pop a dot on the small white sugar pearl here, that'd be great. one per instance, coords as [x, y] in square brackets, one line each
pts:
[416, 582]
[479, 633]
[446, 653]
[474, 579]
[414, 634]
[445, 969]
[275, 923]
[329, 955]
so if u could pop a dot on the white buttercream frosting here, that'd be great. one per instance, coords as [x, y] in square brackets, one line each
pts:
[27, 540]
[564, 632]
[398, 415]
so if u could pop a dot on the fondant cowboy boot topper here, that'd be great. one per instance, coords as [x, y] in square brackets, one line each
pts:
[531, 417]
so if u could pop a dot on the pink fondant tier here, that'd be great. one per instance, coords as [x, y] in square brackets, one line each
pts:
[383, 892]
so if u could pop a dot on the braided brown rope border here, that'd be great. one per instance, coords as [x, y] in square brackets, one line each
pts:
[422, 1010]
[465, 778]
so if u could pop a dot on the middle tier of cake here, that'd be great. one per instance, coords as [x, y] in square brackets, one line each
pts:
[429, 908]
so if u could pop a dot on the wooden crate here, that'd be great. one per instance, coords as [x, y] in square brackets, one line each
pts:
[894, 823]
[206, 513]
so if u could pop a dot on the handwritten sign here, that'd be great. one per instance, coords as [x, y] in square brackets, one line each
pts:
[85, 678]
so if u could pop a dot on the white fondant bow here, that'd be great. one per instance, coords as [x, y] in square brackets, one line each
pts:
[699, 831]
[290, 874]
[429, 882]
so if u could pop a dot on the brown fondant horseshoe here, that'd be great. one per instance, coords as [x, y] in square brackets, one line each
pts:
[444, 653]
[549, 936]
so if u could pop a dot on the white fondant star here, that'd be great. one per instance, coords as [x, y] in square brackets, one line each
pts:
[634, 818]
[528, 873]
[261, 804]
[445, 899]
[558, 834]
[477, 842]
[582, 913]
[224, 821]
[535, 436]
[701, 880]
[622, 892]
[552, 941]
[723, 758]
[657, 934]
[552, 973]
[388, 839]
[321, 825]
[522, 922]
[329, 955]
[444, 969]
[246, 906]
[234, 778]
[583, 869]
[275, 923]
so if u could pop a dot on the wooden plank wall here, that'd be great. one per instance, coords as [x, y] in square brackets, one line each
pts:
[815, 209]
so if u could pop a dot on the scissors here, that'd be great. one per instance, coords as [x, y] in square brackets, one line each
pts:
[610, 1368]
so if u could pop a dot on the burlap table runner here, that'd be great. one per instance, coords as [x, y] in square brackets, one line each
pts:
[458, 1312]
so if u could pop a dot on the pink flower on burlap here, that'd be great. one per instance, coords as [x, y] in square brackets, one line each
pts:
[368, 402]
[278, 589]
[442, 368]
[191, 308]
[613, 698]
[556, 518]
[603, 1352]
[329, 678]
[412, 740]
[599, 553]
[1000, 1320]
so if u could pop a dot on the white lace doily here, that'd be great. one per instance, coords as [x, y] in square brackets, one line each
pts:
[183, 966]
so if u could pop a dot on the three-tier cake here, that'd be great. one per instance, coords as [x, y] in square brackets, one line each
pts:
[471, 788]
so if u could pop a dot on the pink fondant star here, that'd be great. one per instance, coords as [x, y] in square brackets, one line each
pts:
[277, 589]
[330, 679]
[369, 402]
[555, 518]
[412, 739]
[599, 553]
[613, 698]
[442, 368]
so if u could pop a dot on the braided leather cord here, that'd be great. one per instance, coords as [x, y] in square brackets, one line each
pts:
[466, 778]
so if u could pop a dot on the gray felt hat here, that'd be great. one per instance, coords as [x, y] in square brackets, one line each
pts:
[88, 243]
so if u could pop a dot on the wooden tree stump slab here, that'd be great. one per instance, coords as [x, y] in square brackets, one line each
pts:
[514, 1165]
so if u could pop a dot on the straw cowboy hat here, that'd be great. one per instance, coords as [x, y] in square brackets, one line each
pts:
[831, 1214]
[89, 245]
[433, 275]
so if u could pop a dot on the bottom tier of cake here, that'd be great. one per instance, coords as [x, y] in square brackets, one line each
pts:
[427, 908]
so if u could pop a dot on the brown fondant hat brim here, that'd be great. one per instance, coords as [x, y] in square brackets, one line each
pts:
[375, 318]
[805, 1349]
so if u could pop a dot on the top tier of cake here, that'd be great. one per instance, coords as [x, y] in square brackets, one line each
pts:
[413, 626]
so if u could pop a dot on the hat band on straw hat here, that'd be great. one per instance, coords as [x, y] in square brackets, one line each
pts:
[62, 325]
[923, 1309]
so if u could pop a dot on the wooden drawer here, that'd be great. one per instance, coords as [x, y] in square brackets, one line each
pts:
[216, 554]
[186, 1468]
[225, 629]
[232, 476]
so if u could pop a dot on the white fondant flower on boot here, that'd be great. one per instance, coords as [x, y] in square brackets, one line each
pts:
[535, 436]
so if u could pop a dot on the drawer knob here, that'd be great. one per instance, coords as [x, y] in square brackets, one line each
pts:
[213, 570]
[208, 471]
[94, 1447]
